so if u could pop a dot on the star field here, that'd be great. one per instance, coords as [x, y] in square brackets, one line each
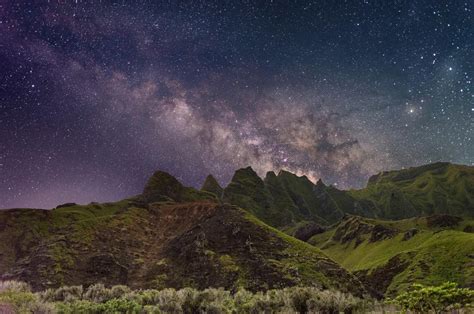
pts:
[96, 96]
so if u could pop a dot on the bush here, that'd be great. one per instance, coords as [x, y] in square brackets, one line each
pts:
[438, 299]
[216, 301]
[80, 307]
[190, 300]
[65, 293]
[97, 293]
[299, 298]
[12, 285]
[25, 302]
[144, 297]
[244, 301]
[120, 306]
[168, 301]
[119, 291]
[88, 307]
[335, 302]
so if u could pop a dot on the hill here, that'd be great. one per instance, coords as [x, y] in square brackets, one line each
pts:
[170, 236]
[430, 189]
[388, 256]
[288, 201]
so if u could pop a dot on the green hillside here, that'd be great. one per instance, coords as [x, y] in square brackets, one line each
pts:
[170, 236]
[426, 190]
[388, 256]
[284, 200]
[287, 201]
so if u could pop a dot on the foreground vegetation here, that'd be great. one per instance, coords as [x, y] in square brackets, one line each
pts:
[17, 297]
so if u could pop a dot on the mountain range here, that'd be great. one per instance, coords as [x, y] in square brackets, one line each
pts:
[286, 199]
[258, 233]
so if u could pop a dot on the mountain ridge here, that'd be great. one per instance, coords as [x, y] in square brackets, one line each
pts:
[285, 199]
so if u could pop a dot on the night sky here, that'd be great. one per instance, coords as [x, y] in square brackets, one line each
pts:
[96, 96]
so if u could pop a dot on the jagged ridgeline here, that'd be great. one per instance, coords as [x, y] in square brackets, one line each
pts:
[286, 200]
[169, 236]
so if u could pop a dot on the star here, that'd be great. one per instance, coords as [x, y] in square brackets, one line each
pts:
[114, 92]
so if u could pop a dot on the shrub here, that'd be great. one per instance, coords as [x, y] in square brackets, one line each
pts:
[97, 293]
[438, 299]
[25, 302]
[216, 301]
[13, 285]
[80, 307]
[190, 300]
[88, 307]
[39, 307]
[168, 301]
[120, 306]
[151, 309]
[144, 297]
[299, 298]
[65, 293]
[119, 291]
[333, 302]
[244, 301]
[271, 301]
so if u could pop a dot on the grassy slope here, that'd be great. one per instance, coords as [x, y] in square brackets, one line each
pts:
[303, 256]
[29, 231]
[434, 255]
[425, 190]
[284, 200]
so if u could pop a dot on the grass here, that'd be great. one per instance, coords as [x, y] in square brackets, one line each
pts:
[307, 265]
[425, 190]
[434, 255]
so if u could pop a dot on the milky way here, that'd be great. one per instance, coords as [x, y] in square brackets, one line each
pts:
[94, 97]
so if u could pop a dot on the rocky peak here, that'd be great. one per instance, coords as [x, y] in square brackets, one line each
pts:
[291, 176]
[211, 185]
[245, 174]
[270, 175]
[320, 183]
[161, 184]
